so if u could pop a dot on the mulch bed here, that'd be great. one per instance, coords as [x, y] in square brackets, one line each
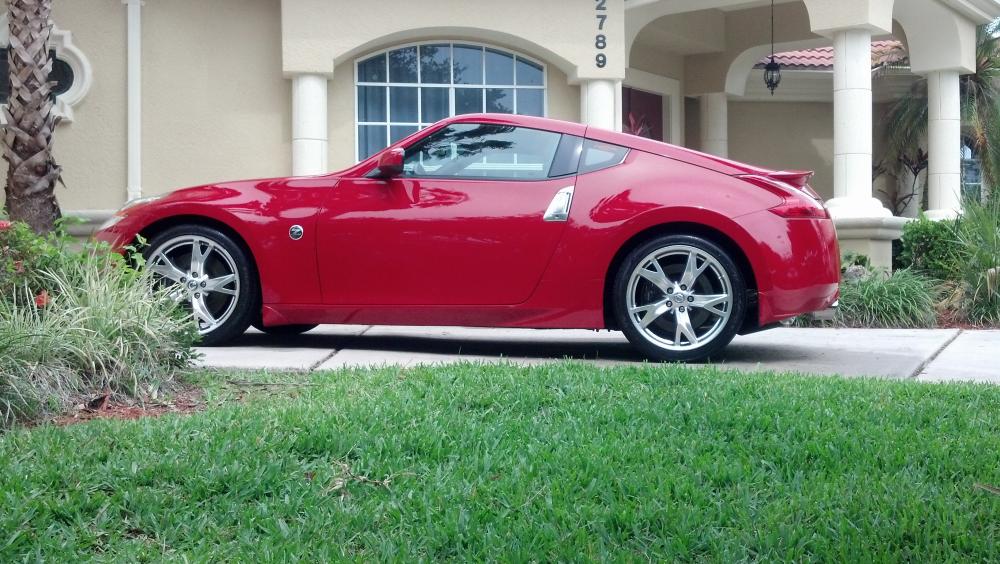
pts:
[184, 401]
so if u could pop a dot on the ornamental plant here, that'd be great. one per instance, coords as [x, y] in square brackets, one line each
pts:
[78, 321]
[931, 248]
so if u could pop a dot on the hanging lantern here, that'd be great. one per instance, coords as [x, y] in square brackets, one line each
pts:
[772, 70]
[772, 75]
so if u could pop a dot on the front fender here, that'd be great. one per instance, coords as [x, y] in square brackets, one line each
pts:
[260, 214]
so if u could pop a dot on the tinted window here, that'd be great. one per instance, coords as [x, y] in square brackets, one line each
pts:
[470, 150]
[598, 155]
[567, 157]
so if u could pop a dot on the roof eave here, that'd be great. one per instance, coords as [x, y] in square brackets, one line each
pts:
[979, 11]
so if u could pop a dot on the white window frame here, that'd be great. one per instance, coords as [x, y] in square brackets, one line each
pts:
[451, 86]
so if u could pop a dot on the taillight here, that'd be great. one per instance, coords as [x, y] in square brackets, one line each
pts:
[796, 203]
[795, 210]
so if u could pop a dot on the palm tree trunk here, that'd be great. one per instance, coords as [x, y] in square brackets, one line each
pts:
[27, 141]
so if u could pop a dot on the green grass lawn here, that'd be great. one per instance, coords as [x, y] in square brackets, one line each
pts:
[562, 462]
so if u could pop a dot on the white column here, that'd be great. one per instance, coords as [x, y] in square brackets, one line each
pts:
[618, 106]
[852, 127]
[944, 138]
[310, 131]
[134, 98]
[598, 102]
[715, 124]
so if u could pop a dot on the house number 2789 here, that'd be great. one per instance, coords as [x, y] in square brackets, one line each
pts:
[601, 40]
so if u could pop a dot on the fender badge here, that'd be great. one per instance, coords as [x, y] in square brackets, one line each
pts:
[295, 232]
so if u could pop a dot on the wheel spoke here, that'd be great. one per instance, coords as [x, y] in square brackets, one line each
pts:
[652, 312]
[201, 311]
[711, 303]
[218, 285]
[163, 267]
[684, 329]
[198, 256]
[656, 276]
[692, 271]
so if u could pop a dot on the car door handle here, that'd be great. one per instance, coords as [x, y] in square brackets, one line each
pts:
[558, 209]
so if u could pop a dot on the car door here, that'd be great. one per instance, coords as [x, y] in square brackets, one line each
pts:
[465, 224]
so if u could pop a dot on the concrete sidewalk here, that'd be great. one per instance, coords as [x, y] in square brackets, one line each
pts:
[931, 355]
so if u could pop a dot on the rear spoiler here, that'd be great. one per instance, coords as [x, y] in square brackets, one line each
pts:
[797, 178]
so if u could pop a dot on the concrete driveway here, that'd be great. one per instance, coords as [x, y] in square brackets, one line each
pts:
[931, 355]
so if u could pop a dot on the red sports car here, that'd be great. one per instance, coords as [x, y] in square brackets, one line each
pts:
[501, 221]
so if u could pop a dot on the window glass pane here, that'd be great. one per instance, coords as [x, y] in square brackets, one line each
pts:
[483, 151]
[468, 101]
[433, 104]
[567, 159]
[403, 104]
[403, 65]
[531, 102]
[499, 68]
[500, 100]
[528, 73]
[597, 155]
[435, 64]
[468, 64]
[397, 132]
[371, 103]
[371, 139]
[372, 70]
[62, 75]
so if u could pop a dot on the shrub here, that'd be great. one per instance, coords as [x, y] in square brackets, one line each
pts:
[85, 323]
[978, 235]
[903, 299]
[931, 248]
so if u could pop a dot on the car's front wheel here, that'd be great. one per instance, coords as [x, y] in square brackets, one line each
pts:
[679, 298]
[211, 273]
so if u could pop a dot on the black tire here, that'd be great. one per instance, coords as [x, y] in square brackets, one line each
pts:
[235, 310]
[283, 330]
[655, 340]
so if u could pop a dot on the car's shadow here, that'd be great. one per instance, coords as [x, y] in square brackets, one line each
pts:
[739, 352]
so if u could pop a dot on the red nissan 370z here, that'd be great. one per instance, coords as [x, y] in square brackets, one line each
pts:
[501, 221]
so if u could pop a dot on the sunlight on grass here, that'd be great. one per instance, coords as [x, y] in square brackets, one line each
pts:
[560, 462]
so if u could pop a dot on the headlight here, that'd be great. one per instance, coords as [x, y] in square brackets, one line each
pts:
[137, 201]
[111, 221]
[120, 214]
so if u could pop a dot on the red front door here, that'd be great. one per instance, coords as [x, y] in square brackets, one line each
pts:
[464, 226]
[434, 241]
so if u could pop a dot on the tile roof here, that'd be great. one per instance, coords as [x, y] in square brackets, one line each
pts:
[884, 52]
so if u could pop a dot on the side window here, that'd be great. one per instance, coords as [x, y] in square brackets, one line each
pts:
[473, 150]
[567, 159]
[598, 156]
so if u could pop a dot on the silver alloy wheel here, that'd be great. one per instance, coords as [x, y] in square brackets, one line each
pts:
[201, 272]
[679, 298]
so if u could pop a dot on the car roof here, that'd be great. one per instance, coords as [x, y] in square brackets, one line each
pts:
[549, 124]
[726, 166]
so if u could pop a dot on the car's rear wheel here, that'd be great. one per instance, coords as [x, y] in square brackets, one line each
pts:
[211, 273]
[679, 298]
[283, 330]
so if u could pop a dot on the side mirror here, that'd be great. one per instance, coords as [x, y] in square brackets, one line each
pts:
[390, 163]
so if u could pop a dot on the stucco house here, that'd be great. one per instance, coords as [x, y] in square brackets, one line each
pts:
[160, 94]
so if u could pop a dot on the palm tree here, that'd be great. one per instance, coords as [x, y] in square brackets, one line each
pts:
[906, 122]
[27, 141]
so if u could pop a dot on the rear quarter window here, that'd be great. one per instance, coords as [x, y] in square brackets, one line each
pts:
[598, 155]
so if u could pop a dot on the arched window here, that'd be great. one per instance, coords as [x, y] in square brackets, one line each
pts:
[407, 88]
[972, 173]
